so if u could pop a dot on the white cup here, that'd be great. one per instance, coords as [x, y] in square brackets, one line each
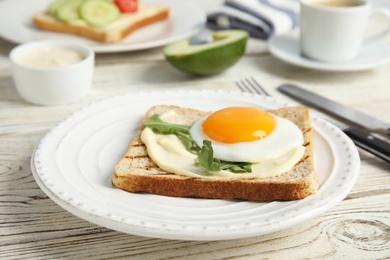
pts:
[52, 85]
[336, 34]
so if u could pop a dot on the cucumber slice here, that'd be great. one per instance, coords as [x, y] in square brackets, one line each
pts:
[69, 12]
[53, 7]
[98, 13]
[56, 5]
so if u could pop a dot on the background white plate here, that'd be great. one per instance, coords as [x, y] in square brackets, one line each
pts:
[74, 162]
[16, 26]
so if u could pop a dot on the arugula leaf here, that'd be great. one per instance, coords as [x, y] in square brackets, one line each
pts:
[157, 124]
[237, 167]
[206, 157]
[205, 154]
[188, 142]
[206, 160]
[182, 131]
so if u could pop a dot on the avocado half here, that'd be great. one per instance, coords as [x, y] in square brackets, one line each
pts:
[205, 59]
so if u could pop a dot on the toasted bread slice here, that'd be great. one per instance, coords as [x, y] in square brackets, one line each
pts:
[114, 32]
[136, 171]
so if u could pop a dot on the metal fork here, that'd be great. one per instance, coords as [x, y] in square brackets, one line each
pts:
[252, 86]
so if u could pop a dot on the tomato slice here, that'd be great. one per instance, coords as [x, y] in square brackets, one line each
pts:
[127, 6]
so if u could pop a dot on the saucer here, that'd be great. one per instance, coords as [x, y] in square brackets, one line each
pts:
[286, 47]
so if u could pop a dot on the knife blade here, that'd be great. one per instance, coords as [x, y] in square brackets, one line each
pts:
[347, 114]
[359, 136]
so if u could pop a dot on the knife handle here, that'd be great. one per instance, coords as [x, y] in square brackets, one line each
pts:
[370, 143]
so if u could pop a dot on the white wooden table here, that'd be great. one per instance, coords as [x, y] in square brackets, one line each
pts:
[32, 226]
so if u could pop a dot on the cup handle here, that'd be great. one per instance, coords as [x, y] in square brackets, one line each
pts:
[381, 36]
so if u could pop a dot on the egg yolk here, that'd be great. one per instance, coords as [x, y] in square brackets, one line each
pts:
[238, 124]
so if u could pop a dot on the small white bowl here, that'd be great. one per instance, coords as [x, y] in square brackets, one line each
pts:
[52, 85]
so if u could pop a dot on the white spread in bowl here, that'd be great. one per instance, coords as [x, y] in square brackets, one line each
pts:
[49, 57]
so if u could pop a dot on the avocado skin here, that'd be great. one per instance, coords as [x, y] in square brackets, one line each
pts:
[210, 61]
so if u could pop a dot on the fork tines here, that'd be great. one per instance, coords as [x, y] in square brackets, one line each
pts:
[251, 85]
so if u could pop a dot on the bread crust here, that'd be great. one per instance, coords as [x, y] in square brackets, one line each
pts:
[45, 22]
[136, 172]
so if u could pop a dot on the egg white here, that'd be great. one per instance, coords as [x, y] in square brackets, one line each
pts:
[285, 136]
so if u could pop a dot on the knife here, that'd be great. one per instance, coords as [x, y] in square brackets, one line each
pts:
[359, 136]
[340, 111]
[368, 142]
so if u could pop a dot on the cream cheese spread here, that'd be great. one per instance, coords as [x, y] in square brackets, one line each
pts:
[49, 57]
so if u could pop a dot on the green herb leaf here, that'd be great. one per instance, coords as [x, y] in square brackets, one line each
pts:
[162, 127]
[189, 143]
[237, 167]
[206, 157]
[182, 131]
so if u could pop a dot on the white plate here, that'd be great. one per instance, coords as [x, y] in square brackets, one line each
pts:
[286, 47]
[17, 16]
[74, 162]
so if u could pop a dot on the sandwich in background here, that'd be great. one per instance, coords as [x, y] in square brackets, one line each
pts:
[100, 20]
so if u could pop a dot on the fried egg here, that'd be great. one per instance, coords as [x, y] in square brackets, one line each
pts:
[246, 134]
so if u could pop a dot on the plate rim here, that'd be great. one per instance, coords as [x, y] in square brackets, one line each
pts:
[117, 224]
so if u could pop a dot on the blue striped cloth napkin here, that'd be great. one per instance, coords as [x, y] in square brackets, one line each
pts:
[261, 18]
